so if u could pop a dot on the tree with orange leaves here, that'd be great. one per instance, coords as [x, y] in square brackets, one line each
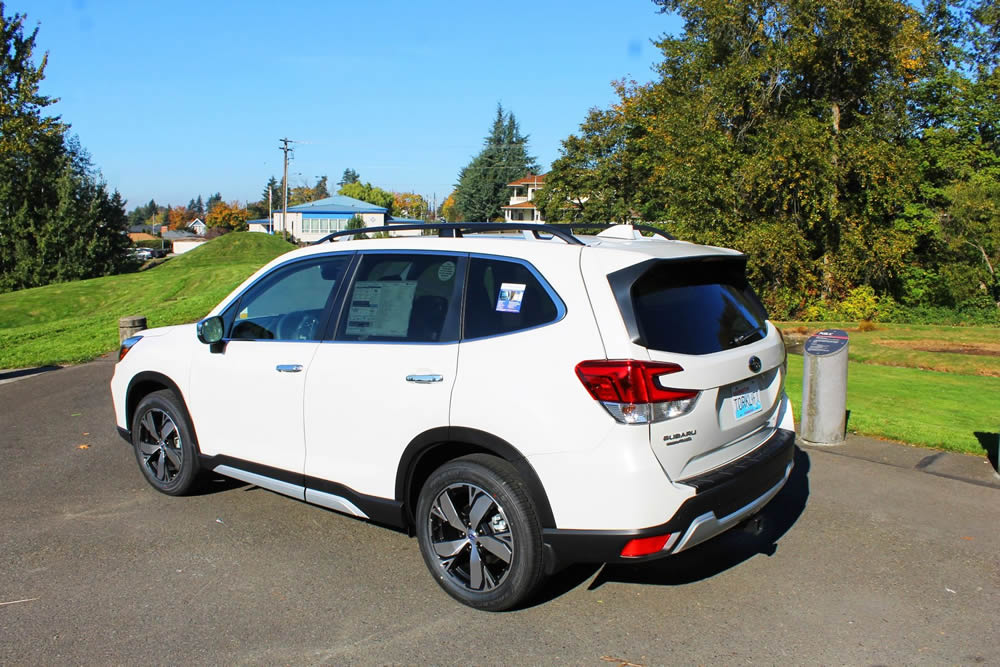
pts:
[231, 215]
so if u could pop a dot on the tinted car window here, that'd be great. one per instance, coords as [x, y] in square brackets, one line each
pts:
[403, 298]
[697, 308]
[290, 302]
[504, 296]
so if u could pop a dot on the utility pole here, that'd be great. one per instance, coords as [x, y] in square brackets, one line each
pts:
[284, 209]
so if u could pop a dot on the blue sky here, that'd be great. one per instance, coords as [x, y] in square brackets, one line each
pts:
[184, 98]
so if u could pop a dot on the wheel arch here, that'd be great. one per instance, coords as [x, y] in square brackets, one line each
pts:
[144, 384]
[435, 447]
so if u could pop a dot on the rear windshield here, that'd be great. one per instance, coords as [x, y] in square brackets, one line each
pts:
[697, 307]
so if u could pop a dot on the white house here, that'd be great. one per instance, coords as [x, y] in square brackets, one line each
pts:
[314, 220]
[197, 226]
[522, 207]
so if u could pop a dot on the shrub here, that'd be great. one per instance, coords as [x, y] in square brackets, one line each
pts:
[860, 304]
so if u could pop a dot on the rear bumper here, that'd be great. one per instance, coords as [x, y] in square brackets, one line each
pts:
[724, 498]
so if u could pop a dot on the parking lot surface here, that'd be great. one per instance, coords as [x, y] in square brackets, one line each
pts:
[864, 559]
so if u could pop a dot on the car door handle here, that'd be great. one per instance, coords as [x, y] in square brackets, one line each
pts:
[425, 379]
[288, 368]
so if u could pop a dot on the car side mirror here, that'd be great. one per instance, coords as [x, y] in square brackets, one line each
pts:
[210, 330]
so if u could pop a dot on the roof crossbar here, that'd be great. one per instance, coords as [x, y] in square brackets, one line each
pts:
[570, 226]
[456, 229]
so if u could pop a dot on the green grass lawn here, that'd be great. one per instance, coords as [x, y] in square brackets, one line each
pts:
[930, 408]
[78, 321]
[963, 350]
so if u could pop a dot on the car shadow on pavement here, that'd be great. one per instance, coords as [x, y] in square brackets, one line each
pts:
[210, 483]
[991, 443]
[705, 560]
[26, 372]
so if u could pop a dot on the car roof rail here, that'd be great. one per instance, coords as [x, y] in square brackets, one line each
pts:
[570, 226]
[457, 229]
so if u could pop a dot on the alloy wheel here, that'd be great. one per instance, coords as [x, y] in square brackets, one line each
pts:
[160, 447]
[471, 537]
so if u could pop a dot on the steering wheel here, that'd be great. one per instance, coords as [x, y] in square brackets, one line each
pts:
[300, 325]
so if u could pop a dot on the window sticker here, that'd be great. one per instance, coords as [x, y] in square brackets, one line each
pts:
[381, 308]
[446, 271]
[511, 295]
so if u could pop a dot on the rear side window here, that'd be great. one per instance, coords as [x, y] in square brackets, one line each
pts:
[697, 307]
[404, 298]
[505, 296]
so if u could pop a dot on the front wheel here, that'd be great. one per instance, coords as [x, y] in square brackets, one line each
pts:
[163, 444]
[479, 533]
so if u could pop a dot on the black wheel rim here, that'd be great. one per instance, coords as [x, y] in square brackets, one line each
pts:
[160, 447]
[471, 538]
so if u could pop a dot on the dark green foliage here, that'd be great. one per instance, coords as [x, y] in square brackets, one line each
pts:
[58, 221]
[840, 145]
[270, 200]
[482, 184]
[213, 201]
[350, 176]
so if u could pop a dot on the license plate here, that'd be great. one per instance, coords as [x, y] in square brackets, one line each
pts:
[746, 399]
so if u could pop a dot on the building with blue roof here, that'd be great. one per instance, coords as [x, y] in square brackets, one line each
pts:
[314, 220]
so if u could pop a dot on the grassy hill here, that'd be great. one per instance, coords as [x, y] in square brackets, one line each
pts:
[78, 321]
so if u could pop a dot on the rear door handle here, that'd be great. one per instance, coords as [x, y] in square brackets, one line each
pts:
[425, 379]
[288, 368]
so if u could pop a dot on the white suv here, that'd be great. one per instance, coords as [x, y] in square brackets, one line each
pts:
[519, 401]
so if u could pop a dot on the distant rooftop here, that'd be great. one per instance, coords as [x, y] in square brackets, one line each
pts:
[337, 204]
[530, 179]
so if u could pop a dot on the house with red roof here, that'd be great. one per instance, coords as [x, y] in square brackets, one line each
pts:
[521, 207]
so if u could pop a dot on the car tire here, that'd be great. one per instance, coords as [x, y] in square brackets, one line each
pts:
[479, 533]
[163, 444]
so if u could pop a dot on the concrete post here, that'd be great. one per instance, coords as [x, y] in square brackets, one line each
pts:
[130, 326]
[824, 388]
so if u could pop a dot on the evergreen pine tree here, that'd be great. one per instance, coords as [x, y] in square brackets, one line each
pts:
[482, 184]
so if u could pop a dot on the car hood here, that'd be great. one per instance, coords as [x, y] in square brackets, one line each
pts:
[175, 330]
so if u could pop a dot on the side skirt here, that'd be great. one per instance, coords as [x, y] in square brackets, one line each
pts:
[313, 490]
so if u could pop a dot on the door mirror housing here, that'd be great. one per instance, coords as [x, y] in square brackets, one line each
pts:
[210, 330]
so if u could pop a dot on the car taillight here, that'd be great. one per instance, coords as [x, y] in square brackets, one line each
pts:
[127, 345]
[633, 392]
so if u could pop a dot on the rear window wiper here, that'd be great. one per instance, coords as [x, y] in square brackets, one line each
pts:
[738, 340]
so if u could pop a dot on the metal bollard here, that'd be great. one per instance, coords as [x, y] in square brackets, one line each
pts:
[130, 326]
[824, 388]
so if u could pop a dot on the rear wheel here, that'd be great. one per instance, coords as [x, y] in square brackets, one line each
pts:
[479, 533]
[163, 444]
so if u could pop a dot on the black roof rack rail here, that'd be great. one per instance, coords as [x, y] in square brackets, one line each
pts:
[455, 229]
[570, 226]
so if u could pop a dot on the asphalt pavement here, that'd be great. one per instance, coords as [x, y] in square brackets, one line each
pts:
[874, 553]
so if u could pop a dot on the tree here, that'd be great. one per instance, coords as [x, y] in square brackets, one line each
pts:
[409, 205]
[482, 184]
[595, 179]
[781, 128]
[450, 211]
[57, 219]
[140, 215]
[350, 176]
[197, 208]
[230, 216]
[368, 193]
[305, 193]
[213, 201]
[270, 200]
[178, 218]
[319, 190]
